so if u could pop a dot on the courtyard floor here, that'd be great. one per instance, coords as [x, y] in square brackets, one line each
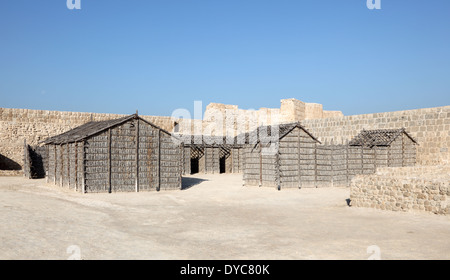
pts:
[214, 217]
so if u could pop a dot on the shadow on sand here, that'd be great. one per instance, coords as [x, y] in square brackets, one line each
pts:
[187, 183]
[8, 164]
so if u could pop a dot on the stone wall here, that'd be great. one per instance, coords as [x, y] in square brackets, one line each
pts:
[229, 118]
[17, 125]
[430, 127]
[408, 189]
[293, 110]
[4, 173]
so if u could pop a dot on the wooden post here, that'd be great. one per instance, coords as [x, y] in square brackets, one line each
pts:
[260, 165]
[189, 154]
[181, 166]
[109, 160]
[68, 164]
[137, 156]
[375, 158]
[232, 161]
[213, 161]
[315, 164]
[62, 165]
[238, 150]
[216, 159]
[403, 149]
[298, 161]
[158, 187]
[389, 164]
[244, 151]
[55, 162]
[47, 168]
[330, 161]
[206, 159]
[25, 159]
[183, 160]
[83, 169]
[76, 166]
[346, 164]
[277, 170]
[362, 159]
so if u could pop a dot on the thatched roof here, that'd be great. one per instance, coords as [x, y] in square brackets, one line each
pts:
[207, 141]
[379, 137]
[91, 128]
[243, 138]
[283, 130]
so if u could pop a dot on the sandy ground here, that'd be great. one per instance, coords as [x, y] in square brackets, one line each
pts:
[213, 218]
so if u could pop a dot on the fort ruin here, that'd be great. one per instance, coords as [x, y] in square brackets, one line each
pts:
[429, 127]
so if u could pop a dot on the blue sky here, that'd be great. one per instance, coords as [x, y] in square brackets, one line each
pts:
[117, 56]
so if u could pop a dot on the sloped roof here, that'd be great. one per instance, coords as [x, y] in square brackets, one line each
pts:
[91, 128]
[283, 130]
[243, 138]
[378, 137]
[208, 141]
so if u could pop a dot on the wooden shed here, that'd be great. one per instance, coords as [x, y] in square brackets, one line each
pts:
[387, 147]
[287, 161]
[128, 154]
[211, 154]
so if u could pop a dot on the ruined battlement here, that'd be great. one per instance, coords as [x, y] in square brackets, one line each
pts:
[430, 126]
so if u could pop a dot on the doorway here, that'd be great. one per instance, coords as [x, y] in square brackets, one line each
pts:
[194, 165]
[222, 164]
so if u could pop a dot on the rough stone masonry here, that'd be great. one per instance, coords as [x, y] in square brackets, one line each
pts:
[408, 189]
[430, 126]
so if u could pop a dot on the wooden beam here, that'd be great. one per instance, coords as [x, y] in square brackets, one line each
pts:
[403, 149]
[83, 168]
[62, 165]
[183, 160]
[238, 159]
[181, 164]
[54, 163]
[299, 159]
[362, 159]
[109, 161]
[278, 179]
[330, 161]
[346, 164]
[47, 168]
[260, 164]
[244, 151]
[232, 161]
[25, 159]
[206, 160]
[373, 159]
[76, 166]
[68, 164]
[315, 164]
[213, 160]
[389, 156]
[158, 187]
[137, 156]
